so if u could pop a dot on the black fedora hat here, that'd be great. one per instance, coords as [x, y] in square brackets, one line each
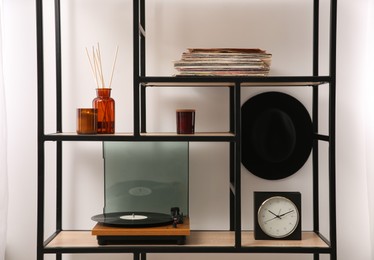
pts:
[277, 135]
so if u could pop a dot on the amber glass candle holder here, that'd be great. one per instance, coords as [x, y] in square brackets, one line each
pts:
[185, 121]
[86, 121]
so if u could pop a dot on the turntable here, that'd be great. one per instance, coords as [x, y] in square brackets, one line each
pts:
[146, 193]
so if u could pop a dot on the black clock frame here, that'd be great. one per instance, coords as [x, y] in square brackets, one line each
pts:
[260, 198]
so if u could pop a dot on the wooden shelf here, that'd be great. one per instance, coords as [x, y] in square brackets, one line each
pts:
[282, 84]
[197, 239]
[189, 84]
[216, 81]
[197, 134]
[155, 136]
[231, 84]
[309, 239]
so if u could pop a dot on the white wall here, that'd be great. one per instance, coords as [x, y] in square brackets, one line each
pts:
[281, 27]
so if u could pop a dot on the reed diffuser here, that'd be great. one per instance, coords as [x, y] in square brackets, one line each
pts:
[104, 104]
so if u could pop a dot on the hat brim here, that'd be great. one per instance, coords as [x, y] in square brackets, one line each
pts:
[277, 135]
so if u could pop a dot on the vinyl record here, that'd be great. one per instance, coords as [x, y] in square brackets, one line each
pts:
[133, 219]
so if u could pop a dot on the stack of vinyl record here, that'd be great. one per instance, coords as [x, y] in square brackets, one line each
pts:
[223, 62]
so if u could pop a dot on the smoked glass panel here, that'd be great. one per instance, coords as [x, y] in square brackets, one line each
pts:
[146, 176]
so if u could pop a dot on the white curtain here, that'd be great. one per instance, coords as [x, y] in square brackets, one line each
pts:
[3, 152]
[369, 116]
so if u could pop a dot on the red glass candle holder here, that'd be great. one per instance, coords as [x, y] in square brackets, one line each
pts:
[185, 121]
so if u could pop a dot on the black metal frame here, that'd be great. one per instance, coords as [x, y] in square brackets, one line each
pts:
[141, 82]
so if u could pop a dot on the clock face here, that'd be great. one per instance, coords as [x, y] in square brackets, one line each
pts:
[278, 217]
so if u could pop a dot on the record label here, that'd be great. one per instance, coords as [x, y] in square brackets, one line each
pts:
[133, 217]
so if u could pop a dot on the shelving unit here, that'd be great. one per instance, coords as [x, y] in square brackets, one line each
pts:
[234, 240]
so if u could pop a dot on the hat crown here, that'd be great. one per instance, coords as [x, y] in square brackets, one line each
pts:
[274, 136]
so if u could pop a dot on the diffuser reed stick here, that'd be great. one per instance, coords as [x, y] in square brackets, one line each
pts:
[97, 67]
[114, 65]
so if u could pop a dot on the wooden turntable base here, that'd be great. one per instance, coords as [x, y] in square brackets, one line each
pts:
[147, 235]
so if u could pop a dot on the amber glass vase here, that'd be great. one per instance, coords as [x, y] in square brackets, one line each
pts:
[105, 106]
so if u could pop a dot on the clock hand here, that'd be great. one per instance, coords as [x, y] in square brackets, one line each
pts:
[277, 216]
[271, 219]
[286, 213]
